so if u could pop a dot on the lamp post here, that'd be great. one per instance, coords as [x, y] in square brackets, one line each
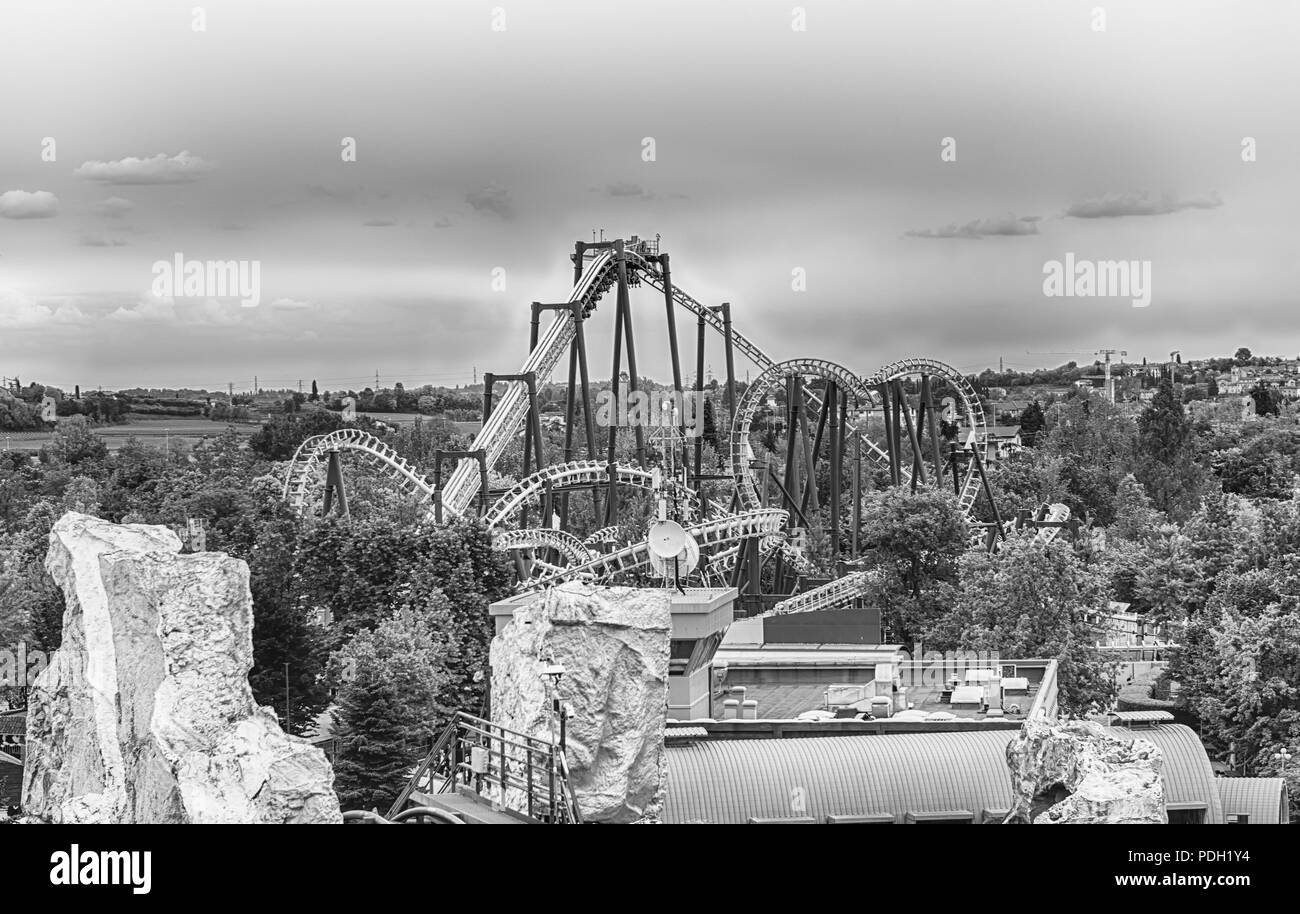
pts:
[554, 672]
[1283, 755]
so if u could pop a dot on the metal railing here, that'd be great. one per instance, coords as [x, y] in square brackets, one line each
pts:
[495, 761]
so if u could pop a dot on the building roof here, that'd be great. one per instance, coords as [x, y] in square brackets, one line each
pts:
[1264, 800]
[1003, 431]
[13, 723]
[732, 781]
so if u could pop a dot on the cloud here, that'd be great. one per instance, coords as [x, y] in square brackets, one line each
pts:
[378, 223]
[160, 169]
[113, 207]
[982, 228]
[626, 189]
[150, 309]
[1115, 205]
[492, 198]
[443, 222]
[18, 312]
[99, 241]
[21, 204]
[290, 304]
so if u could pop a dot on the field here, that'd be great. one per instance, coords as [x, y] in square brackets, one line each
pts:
[162, 433]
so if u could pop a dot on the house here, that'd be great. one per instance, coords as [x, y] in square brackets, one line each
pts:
[1002, 442]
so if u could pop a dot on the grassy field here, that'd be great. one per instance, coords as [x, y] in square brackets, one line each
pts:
[155, 432]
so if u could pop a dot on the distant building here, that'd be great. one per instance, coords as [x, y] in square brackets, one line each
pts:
[1002, 442]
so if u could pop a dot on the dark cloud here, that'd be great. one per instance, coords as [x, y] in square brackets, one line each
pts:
[98, 241]
[379, 223]
[492, 198]
[982, 228]
[1116, 205]
[113, 207]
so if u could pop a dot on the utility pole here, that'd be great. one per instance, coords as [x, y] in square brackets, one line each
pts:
[255, 385]
[231, 386]
[300, 385]
[376, 380]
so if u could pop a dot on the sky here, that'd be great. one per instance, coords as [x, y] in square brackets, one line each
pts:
[491, 136]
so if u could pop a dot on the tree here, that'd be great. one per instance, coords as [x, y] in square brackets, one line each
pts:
[74, 444]
[315, 392]
[1032, 421]
[1094, 441]
[357, 571]
[280, 437]
[1242, 356]
[1267, 400]
[1031, 600]
[1170, 584]
[1248, 693]
[1136, 519]
[387, 710]
[1166, 455]
[916, 541]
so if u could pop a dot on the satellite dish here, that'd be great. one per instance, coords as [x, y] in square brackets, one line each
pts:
[673, 552]
[666, 539]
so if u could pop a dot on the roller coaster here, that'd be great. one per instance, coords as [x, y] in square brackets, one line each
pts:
[913, 423]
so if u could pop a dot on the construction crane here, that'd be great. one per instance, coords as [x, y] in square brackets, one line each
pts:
[1105, 354]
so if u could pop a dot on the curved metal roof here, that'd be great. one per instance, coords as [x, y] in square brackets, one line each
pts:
[1263, 799]
[731, 781]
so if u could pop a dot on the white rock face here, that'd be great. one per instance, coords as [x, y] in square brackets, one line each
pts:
[145, 713]
[614, 644]
[1074, 773]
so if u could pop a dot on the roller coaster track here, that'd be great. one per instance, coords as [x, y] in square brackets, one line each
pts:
[599, 275]
[391, 465]
[723, 561]
[757, 393]
[614, 533]
[1056, 513]
[566, 544]
[828, 596]
[575, 473]
[970, 401]
[719, 531]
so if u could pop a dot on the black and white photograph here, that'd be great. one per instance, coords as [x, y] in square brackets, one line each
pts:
[696, 412]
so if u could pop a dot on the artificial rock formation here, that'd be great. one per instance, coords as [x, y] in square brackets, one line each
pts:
[145, 713]
[1074, 773]
[613, 643]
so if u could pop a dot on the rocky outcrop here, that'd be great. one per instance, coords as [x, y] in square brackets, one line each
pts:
[1074, 773]
[613, 643]
[145, 713]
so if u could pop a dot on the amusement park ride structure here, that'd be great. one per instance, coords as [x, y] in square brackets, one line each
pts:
[764, 524]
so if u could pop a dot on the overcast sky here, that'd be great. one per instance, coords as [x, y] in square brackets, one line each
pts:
[775, 149]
